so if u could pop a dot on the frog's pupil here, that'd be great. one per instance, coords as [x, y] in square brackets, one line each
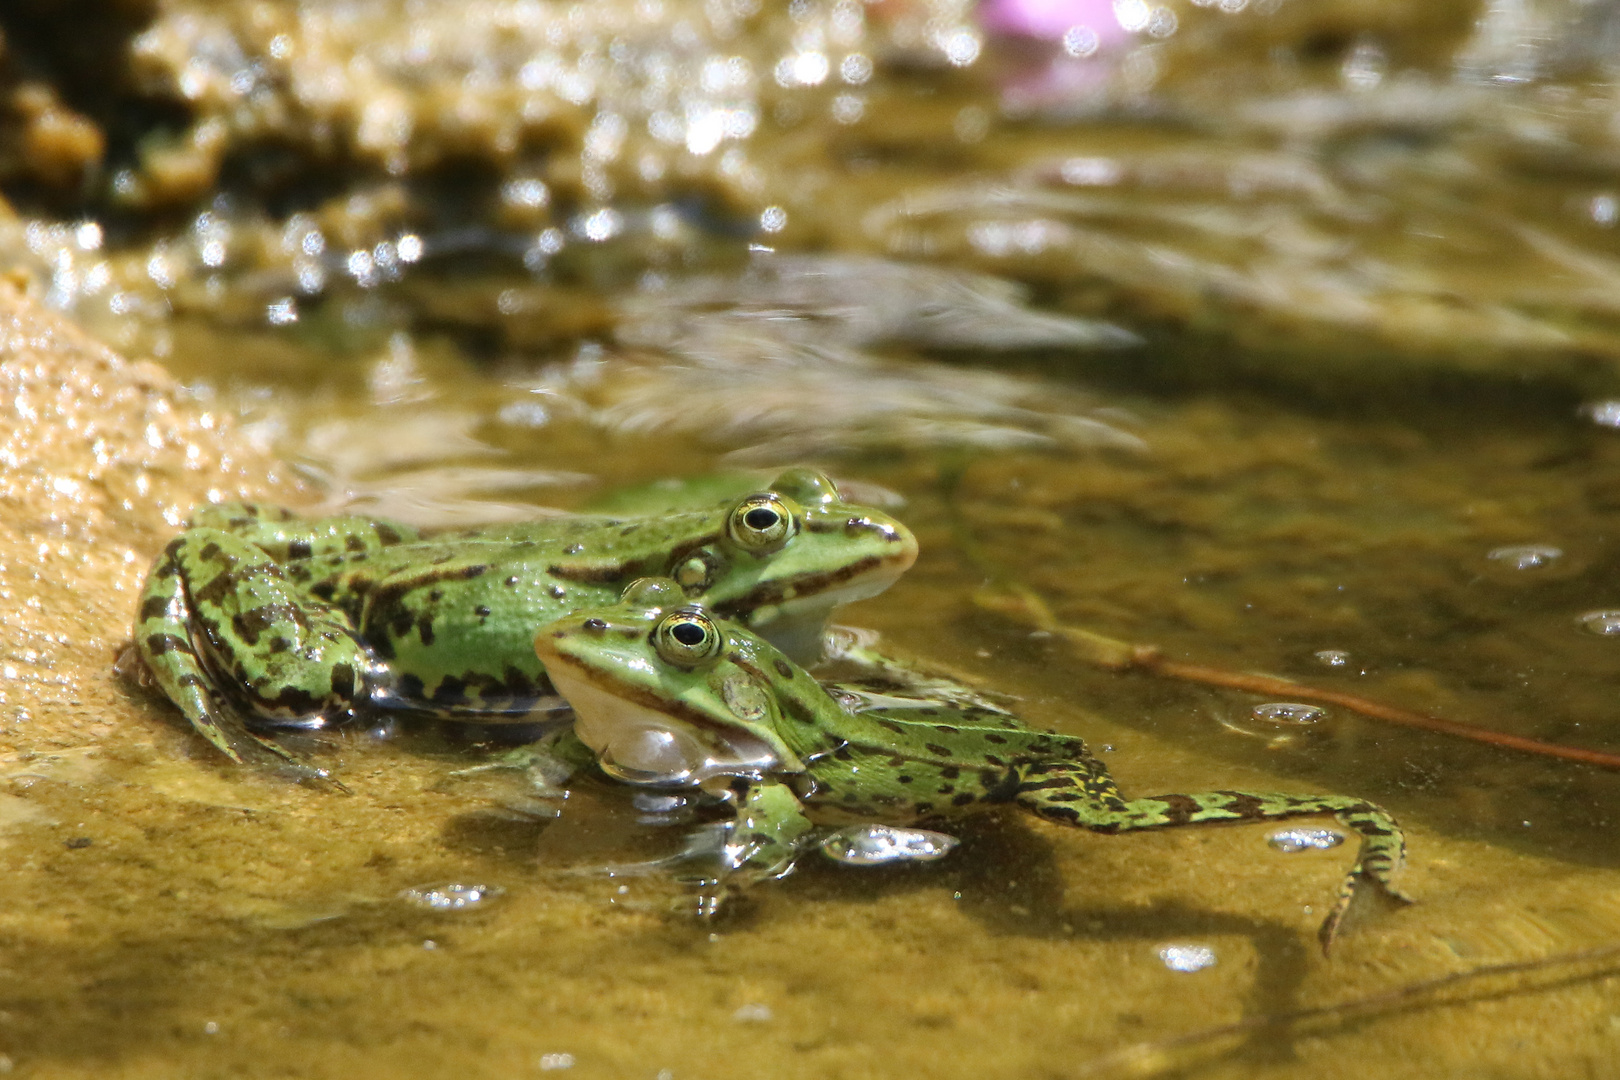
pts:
[687, 633]
[760, 518]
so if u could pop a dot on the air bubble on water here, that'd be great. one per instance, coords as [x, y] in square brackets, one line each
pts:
[1600, 622]
[753, 1013]
[877, 845]
[281, 312]
[1091, 172]
[1602, 413]
[450, 896]
[1187, 957]
[1332, 657]
[599, 225]
[1288, 712]
[1526, 556]
[961, 46]
[848, 108]
[1604, 210]
[548, 1062]
[1132, 15]
[1080, 41]
[1291, 840]
[655, 803]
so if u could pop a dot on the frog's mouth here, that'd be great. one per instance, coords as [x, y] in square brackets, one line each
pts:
[640, 743]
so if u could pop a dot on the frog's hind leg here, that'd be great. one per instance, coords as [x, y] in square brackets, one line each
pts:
[1082, 793]
[221, 629]
[286, 537]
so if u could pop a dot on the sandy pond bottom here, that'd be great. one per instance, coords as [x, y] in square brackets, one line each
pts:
[164, 914]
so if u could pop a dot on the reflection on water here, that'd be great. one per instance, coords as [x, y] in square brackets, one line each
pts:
[1243, 331]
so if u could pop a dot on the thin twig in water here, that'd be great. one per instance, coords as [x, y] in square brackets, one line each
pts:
[1148, 1058]
[1020, 602]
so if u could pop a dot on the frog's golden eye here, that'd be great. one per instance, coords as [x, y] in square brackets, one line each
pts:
[687, 638]
[760, 523]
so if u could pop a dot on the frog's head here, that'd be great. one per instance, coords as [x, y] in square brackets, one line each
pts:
[782, 559]
[665, 693]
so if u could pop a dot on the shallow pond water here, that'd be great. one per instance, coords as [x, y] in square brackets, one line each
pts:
[1254, 400]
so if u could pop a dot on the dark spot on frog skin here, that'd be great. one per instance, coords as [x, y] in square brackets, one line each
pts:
[158, 644]
[386, 534]
[411, 688]
[78, 843]
[993, 737]
[902, 779]
[559, 634]
[298, 549]
[424, 626]
[629, 530]
[323, 590]
[210, 552]
[558, 592]
[450, 691]
[154, 607]
[435, 595]
[950, 772]
[782, 668]
[573, 549]
[962, 799]
[280, 645]
[482, 611]
[344, 684]
[353, 543]
[936, 749]
[250, 624]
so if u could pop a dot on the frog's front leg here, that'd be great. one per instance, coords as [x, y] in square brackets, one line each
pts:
[1082, 793]
[224, 633]
[765, 836]
[855, 651]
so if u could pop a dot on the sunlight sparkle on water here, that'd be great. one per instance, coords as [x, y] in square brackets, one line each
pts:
[1605, 623]
[1526, 556]
[1291, 840]
[1288, 712]
[450, 896]
[875, 845]
[1187, 957]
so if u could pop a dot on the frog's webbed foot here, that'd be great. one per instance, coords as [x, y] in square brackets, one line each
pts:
[717, 861]
[230, 641]
[1082, 793]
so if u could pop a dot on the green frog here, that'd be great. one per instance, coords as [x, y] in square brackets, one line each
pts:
[255, 617]
[667, 693]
